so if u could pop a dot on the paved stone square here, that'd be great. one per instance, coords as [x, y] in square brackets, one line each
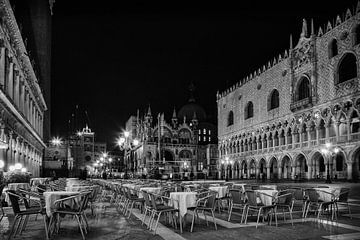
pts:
[109, 224]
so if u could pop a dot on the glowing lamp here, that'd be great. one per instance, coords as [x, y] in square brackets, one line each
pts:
[23, 170]
[328, 145]
[136, 142]
[110, 159]
[126, 134]
[18, 166]
[12, 168]
[2, 163]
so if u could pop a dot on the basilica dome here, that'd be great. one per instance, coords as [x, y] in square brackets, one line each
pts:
[188, 111]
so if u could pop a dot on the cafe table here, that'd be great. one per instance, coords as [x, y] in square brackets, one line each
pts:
[221, 190]
[328, 194]
[154, 190]
[51, 196]
[266, 196]
[15, 187]
[183, 201]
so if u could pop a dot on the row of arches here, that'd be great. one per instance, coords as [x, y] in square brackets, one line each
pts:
[298, 165]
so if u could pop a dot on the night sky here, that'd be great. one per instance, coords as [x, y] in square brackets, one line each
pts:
[114, 57]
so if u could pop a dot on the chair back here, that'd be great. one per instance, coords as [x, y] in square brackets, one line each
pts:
[236, 196]
[298, 193]
[84, 200]
[14, 199]
[251, 198]
[285, 199]
[312, 194]
[211, 200]
[255, 187]
[344, 195]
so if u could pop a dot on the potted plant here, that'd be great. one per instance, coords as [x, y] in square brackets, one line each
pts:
[16, 177]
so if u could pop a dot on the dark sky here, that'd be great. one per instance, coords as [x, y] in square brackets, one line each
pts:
[114, 57]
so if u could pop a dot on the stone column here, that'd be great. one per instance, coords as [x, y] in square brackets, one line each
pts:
[308, 131]
[22, 96]
[317, 135]
[309, 173]
[348, 129]
[337, 130]
[2, 67]
[10, 80]
[293, 172]
[268, 172]
[349, 170]
[280, 172]
[16, 87]
[257, 172]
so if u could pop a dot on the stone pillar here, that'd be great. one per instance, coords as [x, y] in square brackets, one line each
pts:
[10, 80]
[22, 96]
[293, 172]
[280, 172]
[337, 130]
[308, 131]
[2, 67]
[349, 169]
[257, 172]
[300, 135]
[293, 137]
[348, 129]
[317, 135]
[16, 88]
[327, 131]
[268, 172]
[309, 173]
[263, 142]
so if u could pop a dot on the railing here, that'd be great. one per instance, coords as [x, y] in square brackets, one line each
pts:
[297, 145]
[332, 139]
[276, 148]
[354, 136]
[305, 144]
[313, 143]
[283, 147]
[289, 146]
[322, 141]
[342, 138]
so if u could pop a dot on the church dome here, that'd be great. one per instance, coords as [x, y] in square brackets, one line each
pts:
[191, 109]
[188, 111]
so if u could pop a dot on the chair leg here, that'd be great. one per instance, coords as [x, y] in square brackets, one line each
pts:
[349, 210]
[212, 213]
[143, 219]
[17, 218]
[18, 225]
[291, 217]
[207, 223]
[231, 207]
[46, 227]
[258, 217]
[192, 222]
[78, 220]
[247, 213]
[275, 213]
[23, 224]
[157, 222]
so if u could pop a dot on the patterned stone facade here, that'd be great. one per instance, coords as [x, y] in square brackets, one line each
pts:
[22, 105]
[277, 121]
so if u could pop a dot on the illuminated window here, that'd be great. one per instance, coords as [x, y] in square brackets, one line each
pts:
[199, 138]
[200, 166]
[209, 132]
[204, 139]
[199, 131]
[204, 131]
[209, 139]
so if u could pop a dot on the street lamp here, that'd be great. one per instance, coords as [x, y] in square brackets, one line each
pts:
[125, 144]
[329, 151]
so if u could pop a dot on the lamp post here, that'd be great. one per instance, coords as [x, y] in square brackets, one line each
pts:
[329, 151]
[125, 144]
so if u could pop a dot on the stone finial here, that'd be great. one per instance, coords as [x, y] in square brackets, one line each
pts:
[304, 32]
[320, 33]
[286, 54]
[348, 14]
[312, 27]
[149, 111]
[279, 58]
[338, 20]
[291, 42]
[328, 27]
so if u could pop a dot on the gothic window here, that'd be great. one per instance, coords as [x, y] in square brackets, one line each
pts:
[274, 99]
[339, 163]
[303, 91]
[347, 68]
[356, 35]
[249, 110]
[333, 48]
[230, 120]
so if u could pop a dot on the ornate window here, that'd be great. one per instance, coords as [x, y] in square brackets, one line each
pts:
[356, 35]
[333, 48]
[249, 110]
[230, 120]
[273, 100]
[303, 90]
[347, 68]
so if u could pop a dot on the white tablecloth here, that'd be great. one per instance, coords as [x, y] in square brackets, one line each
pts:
[221, 190]
[323, 193]
[77, 188]
[37, 181]
[155, 190]
[265, 199]
[52, 196]
[274, 187]
[185, 200]
[240, 185]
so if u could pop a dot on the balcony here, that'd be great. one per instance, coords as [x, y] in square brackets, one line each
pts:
[301, 104]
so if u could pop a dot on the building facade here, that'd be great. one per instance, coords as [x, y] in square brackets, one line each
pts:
[297, 116]
[177, 147]
[22, 103]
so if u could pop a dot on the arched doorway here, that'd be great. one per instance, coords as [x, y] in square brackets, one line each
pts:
[318, 168]
[356, 165]
[262, 169]
[286, 167]
[252, 168]
[273, 168]
[167, 163]
[339, 166]
[244, 171]
[301, 167]
[237, 170]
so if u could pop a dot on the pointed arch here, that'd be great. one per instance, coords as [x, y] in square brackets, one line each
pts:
[356, 34]
[303, 89]
[333, 48]
[273, 100]
[347, 68]
[230, 119]
[249, 110]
